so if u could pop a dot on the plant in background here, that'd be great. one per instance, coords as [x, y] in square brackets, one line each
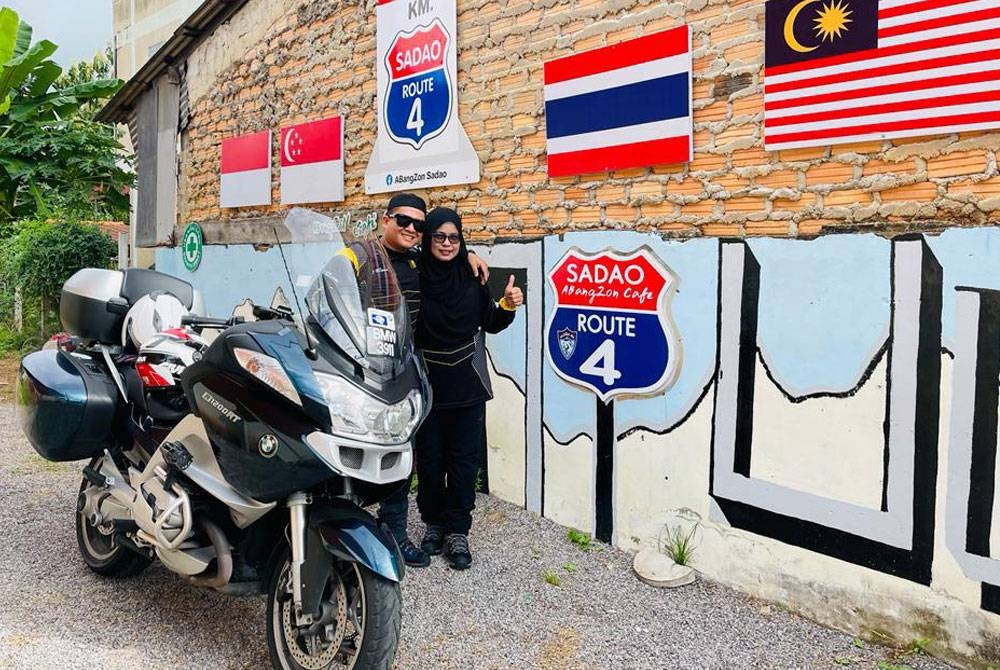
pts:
[677, 544]
[52, 156]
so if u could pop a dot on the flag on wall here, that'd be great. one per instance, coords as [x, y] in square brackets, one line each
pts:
[312, 162]
[627, 105]
[246, 170]
[852, 70]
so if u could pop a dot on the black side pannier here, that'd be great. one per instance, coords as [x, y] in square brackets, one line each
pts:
[66, 405]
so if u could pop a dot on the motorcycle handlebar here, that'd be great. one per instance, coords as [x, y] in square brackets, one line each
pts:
[208, 322]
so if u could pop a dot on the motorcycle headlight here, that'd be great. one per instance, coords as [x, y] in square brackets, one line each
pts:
[269, 371]
[355, 413]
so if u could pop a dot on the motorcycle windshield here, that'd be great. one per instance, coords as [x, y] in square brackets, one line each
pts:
[355, 297]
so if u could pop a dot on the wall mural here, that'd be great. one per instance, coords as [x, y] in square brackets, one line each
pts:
[837, 395]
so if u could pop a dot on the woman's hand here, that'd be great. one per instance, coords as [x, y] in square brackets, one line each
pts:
[512, 296]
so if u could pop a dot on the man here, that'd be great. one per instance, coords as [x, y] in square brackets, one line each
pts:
[402, 225]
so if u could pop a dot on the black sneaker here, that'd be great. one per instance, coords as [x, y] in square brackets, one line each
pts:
[413, 555]
[433, 540]
[457, 551]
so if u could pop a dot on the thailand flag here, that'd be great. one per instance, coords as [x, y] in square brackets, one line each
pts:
[312, 162]
[246, 170]
[627, 105]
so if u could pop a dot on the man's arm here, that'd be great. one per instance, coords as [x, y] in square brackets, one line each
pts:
[479, 268]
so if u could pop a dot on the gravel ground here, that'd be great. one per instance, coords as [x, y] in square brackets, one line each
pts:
[500, 614]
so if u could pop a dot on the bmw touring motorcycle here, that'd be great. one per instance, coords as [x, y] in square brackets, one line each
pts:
[243, 465]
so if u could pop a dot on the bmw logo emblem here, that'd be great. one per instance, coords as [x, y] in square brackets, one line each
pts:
[268, 446]
[388, 180]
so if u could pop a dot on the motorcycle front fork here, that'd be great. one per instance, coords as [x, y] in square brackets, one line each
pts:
[297, 504]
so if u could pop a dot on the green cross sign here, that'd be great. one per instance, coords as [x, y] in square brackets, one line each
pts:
[192, 243]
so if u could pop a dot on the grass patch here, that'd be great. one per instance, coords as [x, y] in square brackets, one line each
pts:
[551, 578]
[919, 646]
[580, 539]
[570, 568]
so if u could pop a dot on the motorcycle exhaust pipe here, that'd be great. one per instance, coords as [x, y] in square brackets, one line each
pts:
[223, 558]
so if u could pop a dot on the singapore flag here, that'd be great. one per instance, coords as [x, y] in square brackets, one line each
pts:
[246, 170]
[312, 162]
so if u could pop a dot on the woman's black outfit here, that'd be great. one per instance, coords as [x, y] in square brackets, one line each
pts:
[455, 311]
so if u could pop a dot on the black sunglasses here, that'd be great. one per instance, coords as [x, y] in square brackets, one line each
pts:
[440, 238]
[404, 221]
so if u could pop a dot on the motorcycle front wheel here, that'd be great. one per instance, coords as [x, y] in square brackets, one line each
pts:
[358, 628]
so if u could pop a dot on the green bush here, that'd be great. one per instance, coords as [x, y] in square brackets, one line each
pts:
[38, 257]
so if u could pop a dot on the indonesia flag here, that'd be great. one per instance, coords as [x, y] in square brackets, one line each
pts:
[312, 162]
[627, 105]
[246, 170]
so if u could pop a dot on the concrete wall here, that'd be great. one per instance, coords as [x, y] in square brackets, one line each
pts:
[851, 475]
[140, 26]
[832, 433]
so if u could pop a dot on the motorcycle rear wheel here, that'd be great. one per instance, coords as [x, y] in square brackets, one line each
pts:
[363, 613]
[100, 551]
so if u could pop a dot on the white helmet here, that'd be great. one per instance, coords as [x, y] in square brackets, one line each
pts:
[151, 314]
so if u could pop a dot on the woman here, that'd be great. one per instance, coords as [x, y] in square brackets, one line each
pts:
[455, 310]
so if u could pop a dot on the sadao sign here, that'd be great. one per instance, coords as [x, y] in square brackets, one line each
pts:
[421, 142]
[611, 331]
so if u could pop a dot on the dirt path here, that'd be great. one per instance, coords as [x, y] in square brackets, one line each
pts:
[8, 376]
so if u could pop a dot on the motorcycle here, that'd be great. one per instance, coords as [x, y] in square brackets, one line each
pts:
[243, 464]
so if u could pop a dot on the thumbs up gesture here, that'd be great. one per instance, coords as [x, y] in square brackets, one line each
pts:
[512, 296]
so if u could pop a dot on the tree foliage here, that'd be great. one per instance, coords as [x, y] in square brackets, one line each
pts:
[53, 157]
[101, 66]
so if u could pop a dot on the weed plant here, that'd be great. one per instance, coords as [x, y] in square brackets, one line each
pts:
[677, 544]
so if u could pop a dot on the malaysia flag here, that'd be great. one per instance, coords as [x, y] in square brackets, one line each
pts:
[246, 170]
[626, 105]
[853, 70]
[312, 162]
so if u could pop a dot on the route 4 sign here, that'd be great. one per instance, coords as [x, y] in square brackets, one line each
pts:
[420, 141]
[418, 100]
[611, 329]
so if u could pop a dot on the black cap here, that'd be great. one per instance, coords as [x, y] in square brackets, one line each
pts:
[407, 200]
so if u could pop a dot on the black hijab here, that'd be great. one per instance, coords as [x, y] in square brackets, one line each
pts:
[450, 308]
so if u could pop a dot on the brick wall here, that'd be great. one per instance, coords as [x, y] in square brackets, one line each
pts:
[319, 59]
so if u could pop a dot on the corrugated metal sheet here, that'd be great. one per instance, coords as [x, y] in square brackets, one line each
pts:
[145, 163]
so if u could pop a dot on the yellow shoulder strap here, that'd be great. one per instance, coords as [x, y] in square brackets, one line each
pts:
[353, 257]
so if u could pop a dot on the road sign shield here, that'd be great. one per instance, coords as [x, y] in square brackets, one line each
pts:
[418, 99]
[611, 329]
